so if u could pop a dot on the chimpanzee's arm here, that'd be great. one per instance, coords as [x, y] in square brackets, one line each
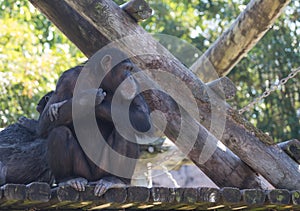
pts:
[139, 113]
[60, 113]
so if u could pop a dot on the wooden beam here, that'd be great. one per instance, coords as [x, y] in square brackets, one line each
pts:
[239, 135]
[240, 38]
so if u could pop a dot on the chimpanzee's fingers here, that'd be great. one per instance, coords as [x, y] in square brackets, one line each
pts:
[100, 189]
[55, 112]
[78, 183]
[49, 114]
[79, 186]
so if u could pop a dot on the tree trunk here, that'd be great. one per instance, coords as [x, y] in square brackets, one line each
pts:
[239, 135]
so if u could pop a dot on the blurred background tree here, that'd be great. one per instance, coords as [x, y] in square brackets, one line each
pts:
[33, 54]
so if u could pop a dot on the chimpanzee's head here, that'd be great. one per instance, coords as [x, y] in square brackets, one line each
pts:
[43, 102]
[117, 73]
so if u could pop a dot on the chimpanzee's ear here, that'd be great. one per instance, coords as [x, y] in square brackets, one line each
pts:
[106, 62]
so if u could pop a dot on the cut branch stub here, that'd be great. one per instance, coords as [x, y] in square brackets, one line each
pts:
[137, 9]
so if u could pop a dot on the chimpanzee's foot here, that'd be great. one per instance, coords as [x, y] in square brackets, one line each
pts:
[77, 183]
[29, 124]
[53, 110]
[104, 185]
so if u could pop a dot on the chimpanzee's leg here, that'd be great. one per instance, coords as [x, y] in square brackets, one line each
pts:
[124, 163]
[66, 158]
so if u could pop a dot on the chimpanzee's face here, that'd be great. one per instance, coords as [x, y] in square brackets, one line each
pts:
[117, 75]
[42, 103]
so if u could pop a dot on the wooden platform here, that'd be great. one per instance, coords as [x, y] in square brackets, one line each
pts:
[39, 196]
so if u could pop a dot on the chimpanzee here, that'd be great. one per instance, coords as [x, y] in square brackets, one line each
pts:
[66, 158]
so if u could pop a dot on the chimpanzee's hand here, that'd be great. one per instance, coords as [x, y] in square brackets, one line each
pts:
[100, 96]
[53, 110]
[77, 183]
[29, 124]
[104, 185]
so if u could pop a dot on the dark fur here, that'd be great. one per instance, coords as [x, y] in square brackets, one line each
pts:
[66, 157]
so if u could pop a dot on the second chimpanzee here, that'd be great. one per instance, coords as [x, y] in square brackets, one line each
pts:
[67, 159]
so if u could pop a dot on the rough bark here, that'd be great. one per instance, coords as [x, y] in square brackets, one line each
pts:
[240, 136]
[240, 38]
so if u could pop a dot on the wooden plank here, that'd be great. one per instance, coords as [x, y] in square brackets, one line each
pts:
[67, 193]
[253, 197]
[38, 191]
[296, 197]
[37, 194]
[54, 202]
[190, 198]
[278, 197]
[77, 200]
[138, 194]
[161, 194]
[116, 195]
[208, 197]
[231, 195]
[13, 194]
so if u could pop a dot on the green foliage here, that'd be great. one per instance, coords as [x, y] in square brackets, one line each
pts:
[272, 59]
[33, 54]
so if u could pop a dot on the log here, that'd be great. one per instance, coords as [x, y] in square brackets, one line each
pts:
[38, 191]
[239, 39]
[114, 24]
[292, 148]
[116, 195]
[209, 195]
[296, 197]
[279, 197]
[138, 194]
[253, 197]
[231, 195]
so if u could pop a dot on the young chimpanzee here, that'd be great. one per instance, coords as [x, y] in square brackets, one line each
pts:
[67, 159]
